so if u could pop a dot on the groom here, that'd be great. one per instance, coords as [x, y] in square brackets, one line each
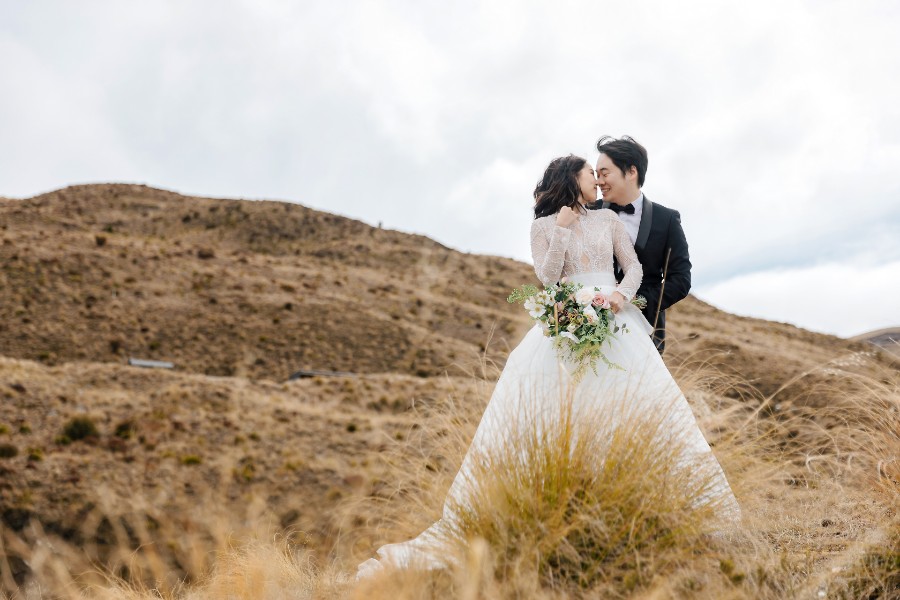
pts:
[654, 229]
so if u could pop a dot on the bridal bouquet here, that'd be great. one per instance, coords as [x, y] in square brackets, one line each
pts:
[578, 319]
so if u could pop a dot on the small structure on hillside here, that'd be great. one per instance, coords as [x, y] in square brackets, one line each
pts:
[150, 364]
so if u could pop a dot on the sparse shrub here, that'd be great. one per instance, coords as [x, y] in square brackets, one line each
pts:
[35, 454]
[25, 429]
[115, 444]
[191, 459]
[8, 451]
[3, 429]
[80, 428]
[351, 427]
[246, 471]
[125, 429]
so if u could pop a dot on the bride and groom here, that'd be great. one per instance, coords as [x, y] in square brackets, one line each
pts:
[624, 245]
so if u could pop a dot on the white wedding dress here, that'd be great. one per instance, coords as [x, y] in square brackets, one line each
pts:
[533, 381]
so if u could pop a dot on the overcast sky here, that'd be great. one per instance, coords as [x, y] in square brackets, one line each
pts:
[773, 126]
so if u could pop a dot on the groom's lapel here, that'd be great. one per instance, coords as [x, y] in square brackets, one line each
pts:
[646, 222]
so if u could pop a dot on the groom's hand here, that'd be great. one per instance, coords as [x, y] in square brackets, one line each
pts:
[616, 301]
[566, 216]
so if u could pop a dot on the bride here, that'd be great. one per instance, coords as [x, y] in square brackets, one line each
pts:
[569, 241]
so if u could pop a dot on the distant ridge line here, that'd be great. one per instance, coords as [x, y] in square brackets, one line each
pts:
[876, 333]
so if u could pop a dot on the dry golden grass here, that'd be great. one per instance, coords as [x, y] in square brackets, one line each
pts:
[219, 481]
[819, 490]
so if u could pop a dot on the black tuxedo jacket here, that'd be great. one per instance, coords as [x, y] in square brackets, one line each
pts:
[660, 239]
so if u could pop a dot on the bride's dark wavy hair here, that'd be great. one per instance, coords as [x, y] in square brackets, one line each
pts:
[559, 186]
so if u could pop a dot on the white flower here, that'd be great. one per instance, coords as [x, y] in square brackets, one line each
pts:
[569, 336]
[572, 327]
[584, 296]
[544, 297]
[534, 308]
[591, 315]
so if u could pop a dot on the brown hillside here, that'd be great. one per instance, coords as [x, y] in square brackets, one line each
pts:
[241, 294]
[101, 273]
[104, 272]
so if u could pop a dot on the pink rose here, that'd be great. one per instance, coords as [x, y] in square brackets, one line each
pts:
[600, 301]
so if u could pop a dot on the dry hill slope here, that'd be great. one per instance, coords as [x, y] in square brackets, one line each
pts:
[239, 295]
[261, 289]
[221, 287]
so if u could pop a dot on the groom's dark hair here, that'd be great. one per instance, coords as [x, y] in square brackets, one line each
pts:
[625, 153]
[558, 186]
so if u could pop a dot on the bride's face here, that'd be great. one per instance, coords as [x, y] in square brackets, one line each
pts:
[587, 183]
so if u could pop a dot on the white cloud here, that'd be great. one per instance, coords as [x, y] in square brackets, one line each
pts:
[838, 298]
[52, 129]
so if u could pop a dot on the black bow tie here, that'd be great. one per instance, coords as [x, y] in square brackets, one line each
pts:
[628, 209]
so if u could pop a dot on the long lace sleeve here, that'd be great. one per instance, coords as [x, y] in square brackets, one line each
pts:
[628, 260]
[548, 250]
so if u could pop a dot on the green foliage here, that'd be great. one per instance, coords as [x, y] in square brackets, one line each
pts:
[191, 459]
[521, 294]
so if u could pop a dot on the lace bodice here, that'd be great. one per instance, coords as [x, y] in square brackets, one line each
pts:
[586, 246]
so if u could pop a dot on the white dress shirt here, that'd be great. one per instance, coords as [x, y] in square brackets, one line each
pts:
[633, 222]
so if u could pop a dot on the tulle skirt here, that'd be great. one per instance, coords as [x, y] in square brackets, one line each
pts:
[536, 385]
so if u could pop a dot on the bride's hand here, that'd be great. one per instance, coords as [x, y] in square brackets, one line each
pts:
[616, 301]
[566, 216]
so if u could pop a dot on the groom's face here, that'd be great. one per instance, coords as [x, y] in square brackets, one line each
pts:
[613, 183]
